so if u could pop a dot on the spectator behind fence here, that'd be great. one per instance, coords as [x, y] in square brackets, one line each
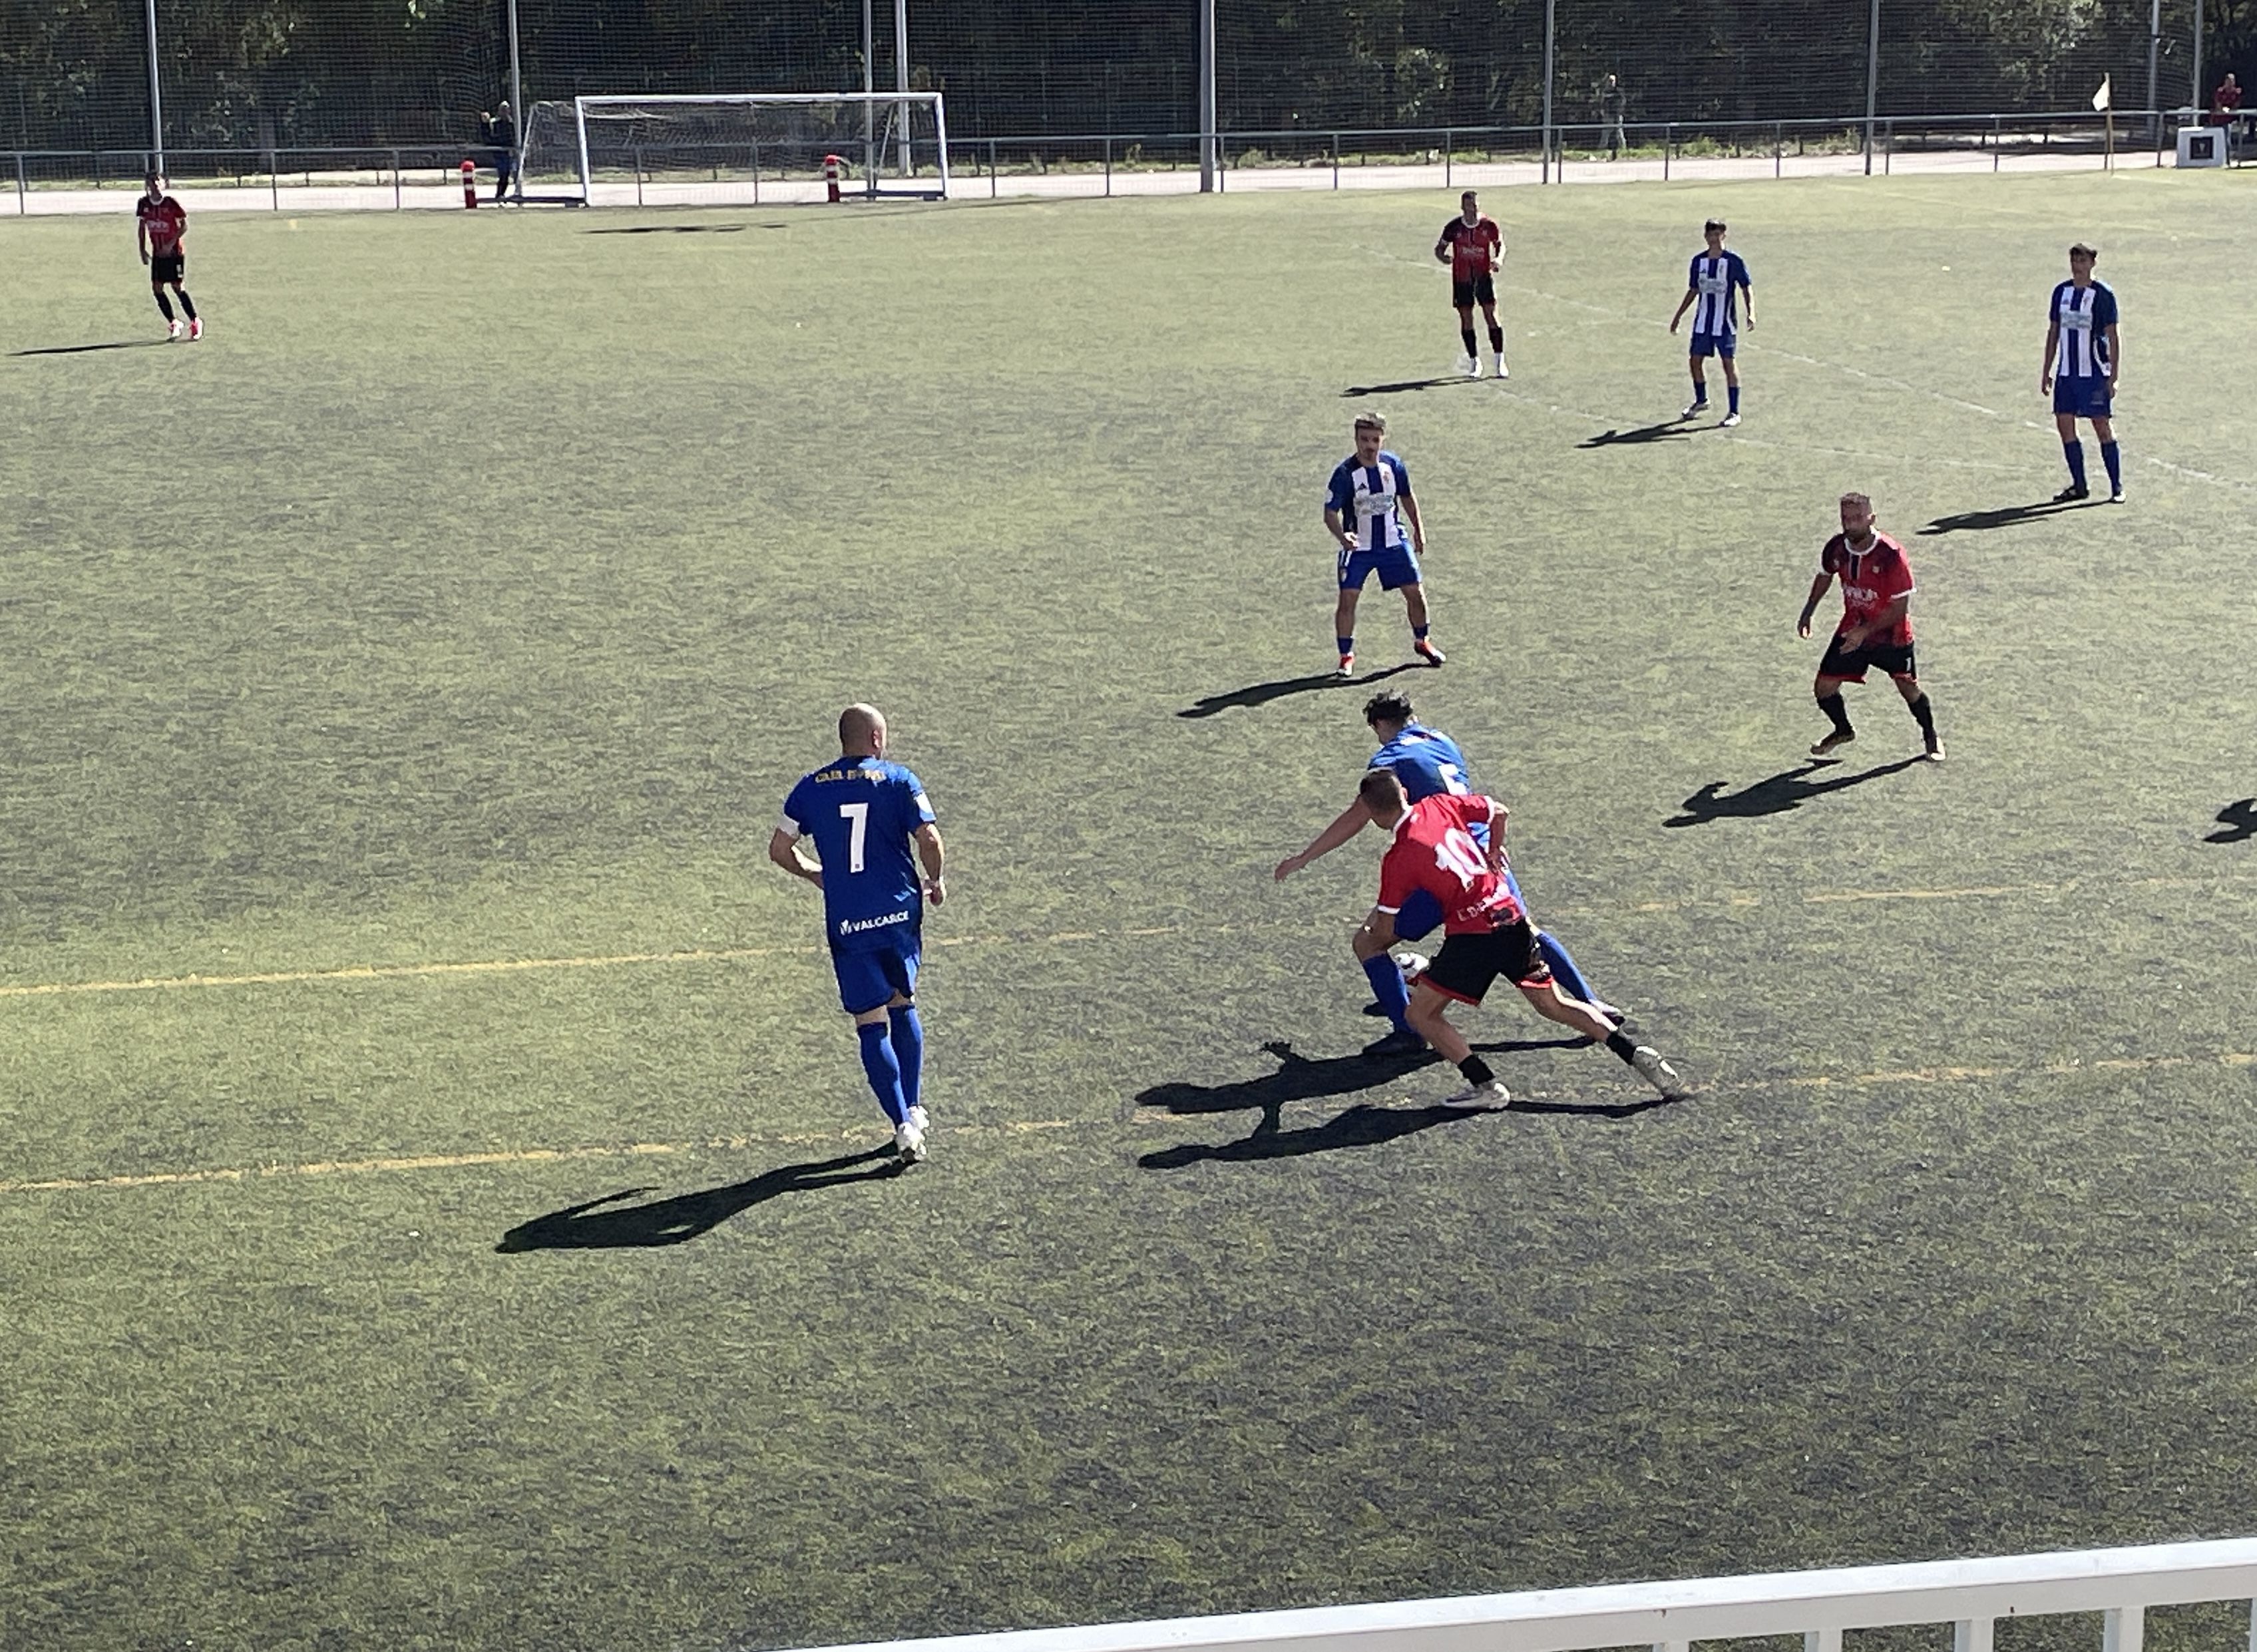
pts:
[1612, 106]
[2225, 104]
[500, 128]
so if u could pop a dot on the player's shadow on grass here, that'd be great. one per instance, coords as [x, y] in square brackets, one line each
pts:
[590, 1227]
[1673, 430]
[2004, 517]
[84, 350]
[1300, 1079]
[1402, 386]
[1788, 789]
[2237, 822]
[1263, 693]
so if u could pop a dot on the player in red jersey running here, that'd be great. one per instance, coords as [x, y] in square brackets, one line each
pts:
[1473, 246]
[160, 222]
[1876, 627]
[1485, 935]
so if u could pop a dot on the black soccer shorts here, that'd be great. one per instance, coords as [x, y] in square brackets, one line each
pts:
[1467, 966]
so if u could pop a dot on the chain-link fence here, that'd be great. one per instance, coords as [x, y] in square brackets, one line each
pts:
[256, 77]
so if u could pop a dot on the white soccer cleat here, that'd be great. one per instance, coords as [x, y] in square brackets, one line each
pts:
[173, 327]
[1653, 1070]
[908, 1143]
[1473, 366]
[1492, 1094]
[1502, 371]
[1731, 419]
[917, 1117]
[1700, 406]
[1469, 363]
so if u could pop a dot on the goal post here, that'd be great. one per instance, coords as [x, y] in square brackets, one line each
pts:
[725, 148]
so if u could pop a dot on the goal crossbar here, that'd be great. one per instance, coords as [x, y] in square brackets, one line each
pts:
[597, 104]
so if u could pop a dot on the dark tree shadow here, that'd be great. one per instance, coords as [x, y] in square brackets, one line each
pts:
[1401, 386]
[2006, 516]
[1789, 789]
[1263, 693]
[82, 350]
[681, 228]
[1673, 430]
[589, 1227]
[2239, 821]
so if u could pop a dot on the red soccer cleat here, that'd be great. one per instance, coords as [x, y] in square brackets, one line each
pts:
[196, 329]
[1428, 652]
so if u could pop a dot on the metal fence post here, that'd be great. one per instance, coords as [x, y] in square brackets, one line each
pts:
[756, 172]
[274, 182]
[992, 186]
[22, 205]
[1335, 160]
[1998, 134]
[638, 165]
[1544, 167]
[395, 181]
[1669, 143]
[1778, 148]
[1872, 80]
[1108, 165]
[1449, 144]
[1888, 145]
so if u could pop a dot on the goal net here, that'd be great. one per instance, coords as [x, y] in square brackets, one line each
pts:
[754, 147]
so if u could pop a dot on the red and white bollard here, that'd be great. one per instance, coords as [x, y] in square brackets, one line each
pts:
[831, 167]
[470, 186]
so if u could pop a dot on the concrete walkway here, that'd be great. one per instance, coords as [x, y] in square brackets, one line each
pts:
[371, 193]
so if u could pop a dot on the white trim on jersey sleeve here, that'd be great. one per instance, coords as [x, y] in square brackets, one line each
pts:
[1389, 910]
[790, 828]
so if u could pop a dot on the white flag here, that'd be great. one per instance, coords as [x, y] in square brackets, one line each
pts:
[2100, 97]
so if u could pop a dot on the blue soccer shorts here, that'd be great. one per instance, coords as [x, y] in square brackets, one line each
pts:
[868, 979]
[2086, 398]
[1395, 567]
[1715, 345]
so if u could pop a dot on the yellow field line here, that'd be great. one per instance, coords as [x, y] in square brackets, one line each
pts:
[731, 954]
[507, 1156]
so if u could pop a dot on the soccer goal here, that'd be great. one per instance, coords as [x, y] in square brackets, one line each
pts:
[748, 148]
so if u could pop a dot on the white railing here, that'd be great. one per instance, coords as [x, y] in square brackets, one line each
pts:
[1971, 1595]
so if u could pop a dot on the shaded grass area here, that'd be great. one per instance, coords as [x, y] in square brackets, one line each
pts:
[475, 591]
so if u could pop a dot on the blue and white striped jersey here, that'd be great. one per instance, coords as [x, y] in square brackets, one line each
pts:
[1717, 280]
[1366, 495]
[2082, 314]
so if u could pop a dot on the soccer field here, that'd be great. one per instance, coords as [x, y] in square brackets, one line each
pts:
[440, 1206]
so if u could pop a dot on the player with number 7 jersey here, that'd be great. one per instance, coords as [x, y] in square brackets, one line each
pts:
[1485, 933]
[872, 825]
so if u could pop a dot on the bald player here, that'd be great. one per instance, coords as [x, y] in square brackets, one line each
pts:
[873, 829]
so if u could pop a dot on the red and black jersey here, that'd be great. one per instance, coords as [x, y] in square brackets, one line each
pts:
[1872, 579]
[1475, 248]
[1435, 850]
[166, 220]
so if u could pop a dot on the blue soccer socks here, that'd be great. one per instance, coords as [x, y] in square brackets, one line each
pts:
[907, 1040]
[1563, 968]
[884, 1069]
[2115, 463]
[2074, 452]
[1387, 986]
